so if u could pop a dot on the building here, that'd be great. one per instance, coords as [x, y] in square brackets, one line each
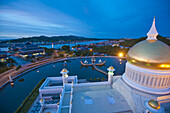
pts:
[3, 56]
[143, 88]
[31, 50]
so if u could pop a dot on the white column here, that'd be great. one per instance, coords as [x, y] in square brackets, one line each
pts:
[65, 80]
[110, 78]
[110, 75]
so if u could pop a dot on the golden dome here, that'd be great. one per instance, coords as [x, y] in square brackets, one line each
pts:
[111, 68]
[64, 70]
[151, 54]
[154, 104]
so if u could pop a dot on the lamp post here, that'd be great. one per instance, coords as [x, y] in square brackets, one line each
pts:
[110, 74]
[64, 76]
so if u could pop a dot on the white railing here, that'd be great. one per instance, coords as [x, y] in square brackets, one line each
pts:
[61, 99]
[71, 98]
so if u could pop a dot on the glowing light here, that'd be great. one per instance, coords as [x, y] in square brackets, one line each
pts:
[120, 54]
[165, 66]
[37, 71]
[133, 61]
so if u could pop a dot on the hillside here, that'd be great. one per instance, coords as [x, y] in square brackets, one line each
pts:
[50, 39]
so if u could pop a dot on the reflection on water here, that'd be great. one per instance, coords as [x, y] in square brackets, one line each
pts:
[13, 97]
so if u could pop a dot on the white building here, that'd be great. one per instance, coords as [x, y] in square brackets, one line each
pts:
[143, 88]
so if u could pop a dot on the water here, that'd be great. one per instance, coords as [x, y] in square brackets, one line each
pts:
[4, 49]
[57, 46]
[11, 98]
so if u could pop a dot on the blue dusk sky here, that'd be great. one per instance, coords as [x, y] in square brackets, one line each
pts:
[88, 18]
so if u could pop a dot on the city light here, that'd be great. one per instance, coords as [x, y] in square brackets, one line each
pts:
[120, 54]
[165, 66]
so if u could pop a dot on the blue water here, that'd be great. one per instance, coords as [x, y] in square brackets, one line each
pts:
[57, 46]
[11, 98]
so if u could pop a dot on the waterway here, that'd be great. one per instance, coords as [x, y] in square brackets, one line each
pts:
[12, 97]
[57, 46]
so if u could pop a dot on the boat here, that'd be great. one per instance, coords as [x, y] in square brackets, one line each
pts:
[21, 80]
[97, 64]
[85, 62]
[100, 61]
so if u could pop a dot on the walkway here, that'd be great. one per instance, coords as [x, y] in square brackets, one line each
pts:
[66, 99]
[99, 70]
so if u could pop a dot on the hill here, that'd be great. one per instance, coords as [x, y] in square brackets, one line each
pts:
[50, 39]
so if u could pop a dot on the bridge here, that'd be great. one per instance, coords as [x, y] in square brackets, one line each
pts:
[99, 69]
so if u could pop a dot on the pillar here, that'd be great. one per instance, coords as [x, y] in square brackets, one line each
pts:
[110, 74]
[64, 73]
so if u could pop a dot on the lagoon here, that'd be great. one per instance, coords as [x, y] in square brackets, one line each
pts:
[12, 97]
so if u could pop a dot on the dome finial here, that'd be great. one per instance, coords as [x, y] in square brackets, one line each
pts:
[152, 32]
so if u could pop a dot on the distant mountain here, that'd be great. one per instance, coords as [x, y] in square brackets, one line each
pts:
[50, 39]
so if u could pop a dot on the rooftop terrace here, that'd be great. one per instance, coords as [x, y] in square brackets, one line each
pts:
[98, 99]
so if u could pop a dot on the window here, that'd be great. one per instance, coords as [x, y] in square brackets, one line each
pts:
[159, 84]
[147, 80]
[151, 81]
[139, 78]
[163, 81]
[155, 81]
[136, 77]
[143, 79]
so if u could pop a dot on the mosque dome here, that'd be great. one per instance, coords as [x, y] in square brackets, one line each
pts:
[148, 66]
[150, 53]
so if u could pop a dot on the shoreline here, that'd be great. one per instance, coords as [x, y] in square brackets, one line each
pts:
[26, 69]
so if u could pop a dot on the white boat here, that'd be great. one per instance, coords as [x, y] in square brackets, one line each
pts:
[85, 62]
[100, 61]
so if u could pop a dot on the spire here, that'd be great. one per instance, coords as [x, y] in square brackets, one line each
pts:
[152, 32]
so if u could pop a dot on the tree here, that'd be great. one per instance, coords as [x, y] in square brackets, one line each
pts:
[66, 48]
[49, 51]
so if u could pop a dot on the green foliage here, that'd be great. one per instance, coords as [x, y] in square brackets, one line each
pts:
[2, 64]
[3, 67]
[130, 43]
[18, 67]
[76, 46]
[10, 60]
[49, 51]
[61, 55]
[163, 39]
[66, 48]
[84, 53]
[109, 50]
[26, 104]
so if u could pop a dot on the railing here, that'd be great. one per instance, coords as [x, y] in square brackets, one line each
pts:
[62, 97]
[71, 98]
